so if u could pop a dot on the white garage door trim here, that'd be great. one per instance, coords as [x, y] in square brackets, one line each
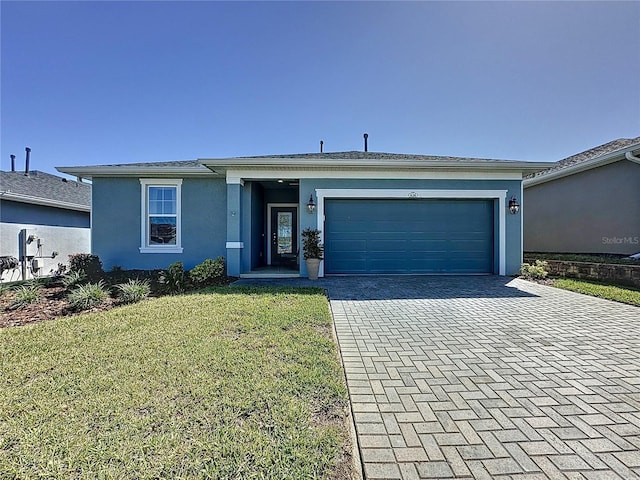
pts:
[500, 195]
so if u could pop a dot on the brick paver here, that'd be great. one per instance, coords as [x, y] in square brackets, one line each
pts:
[488, 377]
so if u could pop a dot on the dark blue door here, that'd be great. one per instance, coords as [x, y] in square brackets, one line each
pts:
[408, 236]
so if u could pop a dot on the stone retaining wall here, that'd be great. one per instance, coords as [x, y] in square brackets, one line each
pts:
[604, 272]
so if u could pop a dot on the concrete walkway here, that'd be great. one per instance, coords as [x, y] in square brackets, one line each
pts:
[487, 377]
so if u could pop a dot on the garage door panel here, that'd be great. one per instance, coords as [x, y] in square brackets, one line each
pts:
[414, 236]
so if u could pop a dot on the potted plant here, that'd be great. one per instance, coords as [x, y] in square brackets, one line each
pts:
[313, 251]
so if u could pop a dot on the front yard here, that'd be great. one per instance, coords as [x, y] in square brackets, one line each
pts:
[598, 289]
[223, 383]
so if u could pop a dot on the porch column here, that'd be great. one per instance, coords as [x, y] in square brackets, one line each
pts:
[234, 226]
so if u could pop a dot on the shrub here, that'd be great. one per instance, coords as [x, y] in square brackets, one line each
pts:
[209, 272]
[537, 271]
[74, 278]
[311, 244]
[133, 291]
[26, 294]
[88, 296]
[89, 264]
[175, 279]
[59, 272]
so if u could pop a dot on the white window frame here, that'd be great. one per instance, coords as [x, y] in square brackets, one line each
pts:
[145, 183]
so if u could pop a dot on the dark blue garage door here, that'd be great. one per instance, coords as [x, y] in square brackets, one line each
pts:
[408, 236]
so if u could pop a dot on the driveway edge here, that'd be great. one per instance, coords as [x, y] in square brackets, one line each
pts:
[355, 447]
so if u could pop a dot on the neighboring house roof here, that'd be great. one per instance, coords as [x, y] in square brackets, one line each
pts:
[595, 157]
[42, 188]
[334, 160]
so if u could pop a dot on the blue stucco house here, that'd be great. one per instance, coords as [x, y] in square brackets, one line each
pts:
[379, 213]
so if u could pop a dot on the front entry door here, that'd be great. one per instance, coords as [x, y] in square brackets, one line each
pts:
[284, 236]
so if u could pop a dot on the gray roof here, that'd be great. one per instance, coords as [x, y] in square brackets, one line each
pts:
[50, 188]
[172, 163]
[359, 155]
[344, 160]
[590, 154]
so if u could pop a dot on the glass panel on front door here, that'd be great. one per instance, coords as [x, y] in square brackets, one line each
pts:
[285, 232]
[284, 236]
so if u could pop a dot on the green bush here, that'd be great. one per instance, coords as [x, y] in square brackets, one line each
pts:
[26, 294]
[89, 264]
[74, 278]
[175, 279]
[537, 271]
[133, 291]
[209, 272]
[88, 296]
[311, 244]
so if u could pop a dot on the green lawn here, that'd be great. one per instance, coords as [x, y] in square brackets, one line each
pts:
[225, 383]
[595, 289]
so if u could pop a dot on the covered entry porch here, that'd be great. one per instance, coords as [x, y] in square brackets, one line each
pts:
[263, 228]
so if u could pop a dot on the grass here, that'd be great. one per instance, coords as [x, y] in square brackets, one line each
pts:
[574, 257]
[224, 383]
[602, 290]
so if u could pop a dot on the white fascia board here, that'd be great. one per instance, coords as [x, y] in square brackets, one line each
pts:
[222, 165]
[108, 171]
[17, 197]
[601, 161]
[406, 193]
[233, 176]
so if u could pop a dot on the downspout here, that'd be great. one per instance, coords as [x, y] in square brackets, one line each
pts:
[630, 156]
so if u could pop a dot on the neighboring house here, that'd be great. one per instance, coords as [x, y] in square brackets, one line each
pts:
[586, 203]
[56, 211]
[379, 213]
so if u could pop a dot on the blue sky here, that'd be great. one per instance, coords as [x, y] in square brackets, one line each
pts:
[115, 82]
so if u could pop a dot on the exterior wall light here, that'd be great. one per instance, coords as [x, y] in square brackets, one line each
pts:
[514, 206]
[311, 205]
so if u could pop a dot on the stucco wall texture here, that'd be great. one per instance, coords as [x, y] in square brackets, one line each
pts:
[595, 211]
[116, 224]
[64, 240]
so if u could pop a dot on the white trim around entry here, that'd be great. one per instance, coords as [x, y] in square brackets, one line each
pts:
[268, 234]
[500, 195]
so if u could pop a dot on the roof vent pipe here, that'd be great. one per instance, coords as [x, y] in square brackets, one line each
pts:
[366, 136]
[26, 163]
[13, 162]
[321, 144]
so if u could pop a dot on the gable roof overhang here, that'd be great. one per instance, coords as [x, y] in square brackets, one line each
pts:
[319, 163]
[137, 170]
[47, 202]
[627, 153]
[335, 162]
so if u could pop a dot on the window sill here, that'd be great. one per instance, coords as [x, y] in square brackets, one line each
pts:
[161, 249]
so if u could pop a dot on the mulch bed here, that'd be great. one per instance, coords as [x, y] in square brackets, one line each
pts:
[53, 304]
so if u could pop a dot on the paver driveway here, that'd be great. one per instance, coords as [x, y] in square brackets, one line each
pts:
[488, 377]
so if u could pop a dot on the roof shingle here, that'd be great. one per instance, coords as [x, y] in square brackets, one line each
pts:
[46, 186]
[595, 152]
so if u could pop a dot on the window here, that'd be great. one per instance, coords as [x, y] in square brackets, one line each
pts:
[161, 216]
